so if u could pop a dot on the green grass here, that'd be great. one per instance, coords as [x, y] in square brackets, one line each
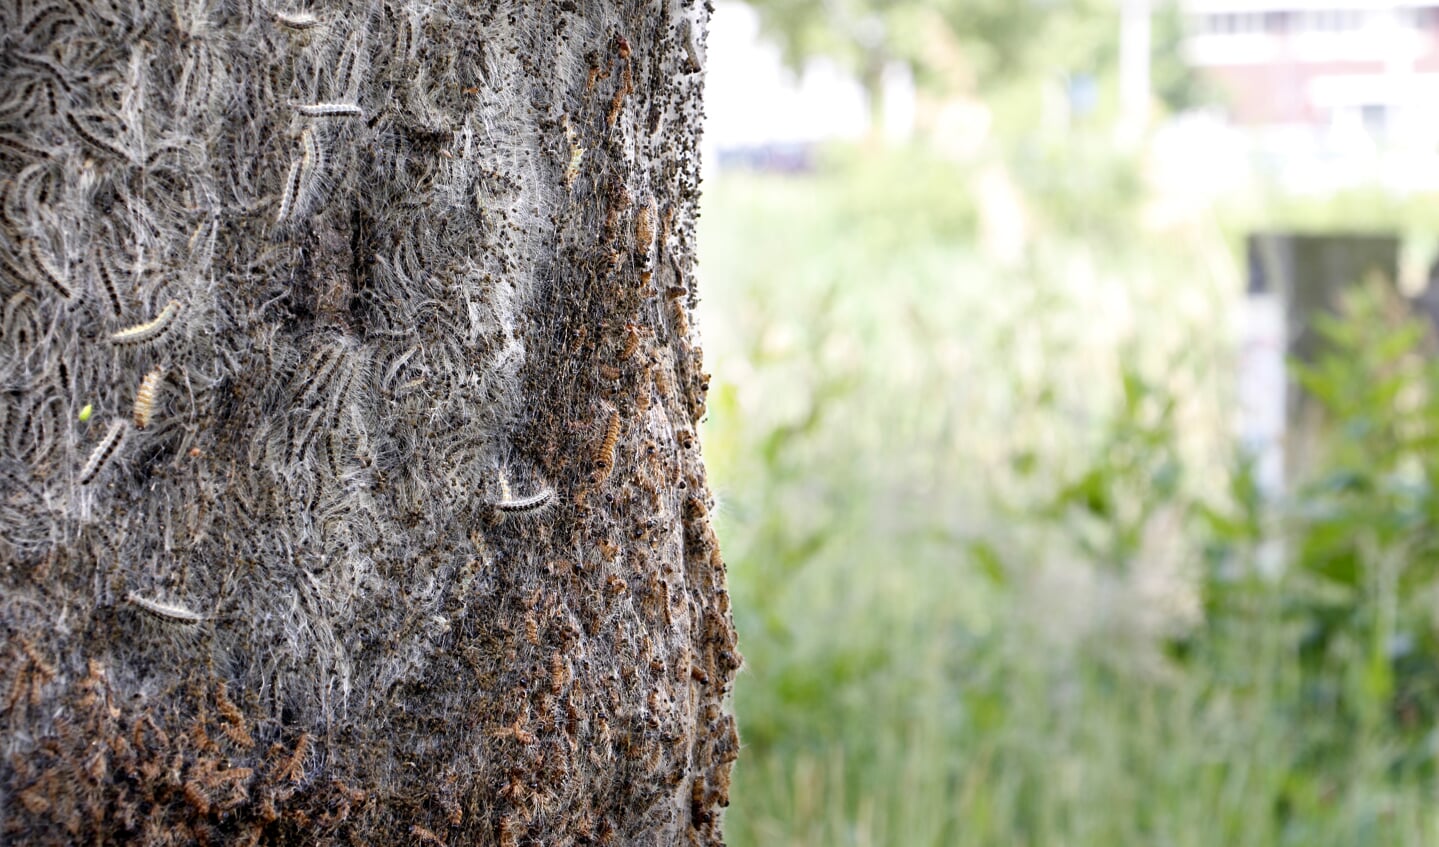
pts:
[948, 642]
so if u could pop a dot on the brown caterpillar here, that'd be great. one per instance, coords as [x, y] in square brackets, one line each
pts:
[167, 611]
[152, 330]
[558, 673]
[293, 768]
[144, 410]
[632, 342]
[645, 231]
[109, 443]
[605, 451]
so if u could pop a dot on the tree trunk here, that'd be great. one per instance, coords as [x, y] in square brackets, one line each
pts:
[349, 486]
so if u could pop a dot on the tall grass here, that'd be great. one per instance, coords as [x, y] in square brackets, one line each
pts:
[973, 513]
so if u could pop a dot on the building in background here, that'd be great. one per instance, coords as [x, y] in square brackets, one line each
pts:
[1331, 93]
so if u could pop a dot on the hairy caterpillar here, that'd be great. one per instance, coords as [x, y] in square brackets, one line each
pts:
[293, 768]
[144, 410]
[151, 330]
[51, 273]
[23, 149]
[329, 110]
[167, 611]
[558, 673]
[532, 503]
[94, 138]
[632, 342]
[301, 178]
[297, 20]
[109, 443]
[605, 451]
[107, 281]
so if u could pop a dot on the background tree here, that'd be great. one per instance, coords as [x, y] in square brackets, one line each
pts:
[349, 488]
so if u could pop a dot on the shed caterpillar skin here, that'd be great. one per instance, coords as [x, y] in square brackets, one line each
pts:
[297, 20]
[144, 410]
[151, 330]
[645, 231]
[329, 110]
[108, 446]
[605, 451]
[532, 503]
[166, 611]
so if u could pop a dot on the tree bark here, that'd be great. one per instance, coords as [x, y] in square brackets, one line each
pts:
[349, 484]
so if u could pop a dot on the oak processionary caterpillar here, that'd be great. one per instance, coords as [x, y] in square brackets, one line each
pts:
[144, 410]
[329, 110]
[110, 443]
[301, 178]
[151, 330]
[51, 274]
[532, 503]
[167, 611]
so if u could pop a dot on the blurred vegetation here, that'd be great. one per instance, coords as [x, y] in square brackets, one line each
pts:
[1001, 573]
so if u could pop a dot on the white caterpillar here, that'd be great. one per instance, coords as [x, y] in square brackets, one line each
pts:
[151, 330]
[329, 110]
[107, 447]
[168, 611]
[297, 20]
[532, 503]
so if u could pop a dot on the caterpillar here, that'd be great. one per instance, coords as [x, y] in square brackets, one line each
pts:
[297, 20]
[144, 410]
[293, 767]
[558, 673]
[21, 148]
[107, 447]
[605, 451]
[301, 178]
[151, 330]
[329, 110]
[107, 281]
[94, 138]
[166, 611]
[291, 193]
[51, 273]
[532, 503]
